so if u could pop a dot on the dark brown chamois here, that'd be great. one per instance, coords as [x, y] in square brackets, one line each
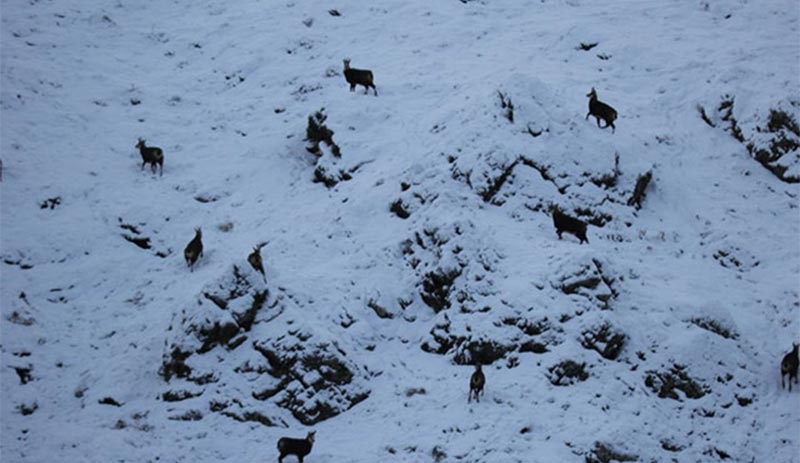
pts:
[194, 250]
[565, 223]
[151, 155]
[476, 383]
[297, 447]
[600, 110]
[359, 77]
[789, 366]
[255, 260]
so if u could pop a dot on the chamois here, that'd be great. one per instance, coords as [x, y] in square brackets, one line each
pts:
[151, 155]
[358, 77]
[476, 383]
[565, 223]
[600, 110]
[789, 366]
[255, 260]
[298, 447]
[194, 249]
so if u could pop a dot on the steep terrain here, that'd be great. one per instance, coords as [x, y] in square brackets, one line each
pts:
[420, 244]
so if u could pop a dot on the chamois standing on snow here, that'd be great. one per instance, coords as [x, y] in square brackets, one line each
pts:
[298, 447]
[789, 366]
[565, 223]
[194, 250]
[151, 155]
[255, 260]
[476, 383]
[358, 77]
[600, 110]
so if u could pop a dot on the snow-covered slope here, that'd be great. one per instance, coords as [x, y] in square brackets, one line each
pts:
[659, 340]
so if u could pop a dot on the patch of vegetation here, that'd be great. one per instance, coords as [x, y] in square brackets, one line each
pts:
[24, 374]
[412, 391]
[438, 454]
[25, 409]
[399, 209]
[605, 340]
[256, 417]
[175, 365]
[725, 109]
[638, 192]
[507, 105]
[482, 351]
[567, 372]
[775, 146]
[715, 327]
[531, 328]
[179, 395]
[50, 203]
[109, 401]
[436, 287]
[665, 383]
[493, 185]
[379, 310]
[191, 415]
[603, 453]
[534, 347]
[317, 132]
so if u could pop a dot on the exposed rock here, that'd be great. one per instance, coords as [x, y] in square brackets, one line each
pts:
[315, 380]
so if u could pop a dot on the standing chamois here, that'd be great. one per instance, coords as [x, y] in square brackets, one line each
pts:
[255, 260]
[298, 447]
[565, 223]
[151, 155]
[789, 366]
[476, 383]
[358, 77]
[600, 110]
[194, 250]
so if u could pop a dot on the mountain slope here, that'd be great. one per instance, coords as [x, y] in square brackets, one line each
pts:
[368, 317]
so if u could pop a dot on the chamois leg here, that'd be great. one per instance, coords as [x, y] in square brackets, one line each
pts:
[587, 115]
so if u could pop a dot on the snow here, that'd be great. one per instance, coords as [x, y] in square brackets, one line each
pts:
[226, 91]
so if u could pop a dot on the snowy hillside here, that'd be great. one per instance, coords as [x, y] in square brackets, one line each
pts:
[419, 244]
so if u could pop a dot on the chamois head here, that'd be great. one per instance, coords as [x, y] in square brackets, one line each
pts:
[140, 143]
[346, 63]
[310, 436]
[592, 94]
